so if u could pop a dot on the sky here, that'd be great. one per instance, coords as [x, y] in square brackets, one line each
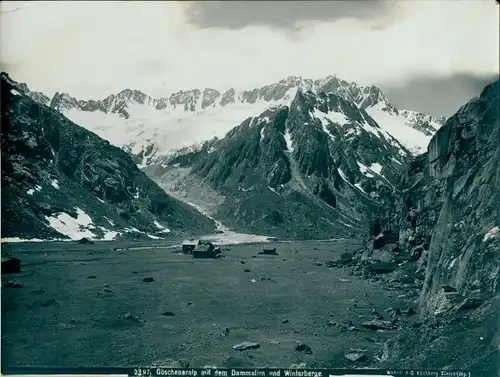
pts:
[429, 56]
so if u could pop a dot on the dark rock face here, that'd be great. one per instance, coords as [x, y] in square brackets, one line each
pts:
[448, 218]
[52, 166]
[463, 159]
[449, 211]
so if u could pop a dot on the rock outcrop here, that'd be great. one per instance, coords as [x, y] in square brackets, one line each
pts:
[463, 161]
[447, 218]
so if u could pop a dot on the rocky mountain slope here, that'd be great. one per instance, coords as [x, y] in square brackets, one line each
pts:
[447, 219]
[152, 127]
[314, 169]
[61, 181]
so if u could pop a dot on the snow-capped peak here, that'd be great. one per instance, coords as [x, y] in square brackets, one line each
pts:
[141, 123]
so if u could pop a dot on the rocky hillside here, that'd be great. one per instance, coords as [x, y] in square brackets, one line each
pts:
[152, 127]
[61, 181]
[445, 228]
[453, 197]
[314, 169]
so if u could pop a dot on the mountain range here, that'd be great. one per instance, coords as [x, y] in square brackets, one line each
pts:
[152, 127]
[314, 169]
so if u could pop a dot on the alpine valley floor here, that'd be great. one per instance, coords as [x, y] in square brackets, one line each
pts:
[73, 302]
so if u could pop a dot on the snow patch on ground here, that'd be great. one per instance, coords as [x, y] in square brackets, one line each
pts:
[109, 235]
[396, 161]
[363, 168]
[132, 230]
[492, 233]
[111, 222]
[347, 225]
[344, 177]
[396, 125]
[327, 131]
[30, 191]
[262, 130]
[357, 185]
[233, 238]
[273, 190]
[332, 116]
[360, 188]
[102, 201]
[15, 92]
[154, 237]
[17, 239]
[74, 228]
[288, 140]
[55, 184]
[376, 167]
[352, 131]
[368, 170]
[161, 227]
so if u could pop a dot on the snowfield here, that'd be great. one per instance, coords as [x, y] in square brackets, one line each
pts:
[169, 129]
[397, 126]
[161, 132]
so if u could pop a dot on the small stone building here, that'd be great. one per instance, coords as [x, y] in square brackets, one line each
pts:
[204, 250]
[188, 247]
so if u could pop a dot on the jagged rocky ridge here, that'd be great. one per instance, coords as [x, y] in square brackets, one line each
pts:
[314, 169]
[445, 227]
[59, 180]
[152, 127]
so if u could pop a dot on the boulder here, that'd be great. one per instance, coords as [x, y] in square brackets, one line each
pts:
[382, 255]
[302, 347]
[298, 366]
[346, 258]
[11, 265]
[377, 324]
[13, 284]
[245, 346]
[269, 251]
[382, 268]
[356, 354]
[448, 289]
[471, 303]
[169, 363]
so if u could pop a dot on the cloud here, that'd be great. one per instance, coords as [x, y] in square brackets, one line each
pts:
[92, 49]
[279, 14]
[440, 96]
